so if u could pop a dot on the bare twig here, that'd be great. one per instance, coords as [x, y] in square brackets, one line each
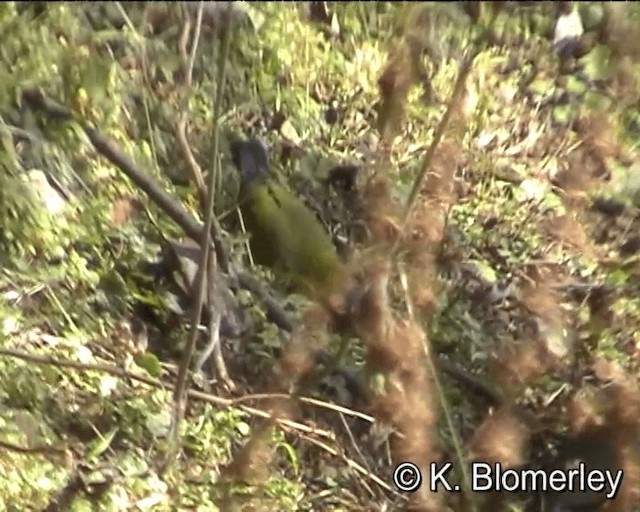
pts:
[180, 397]
[194, 394]
[32, 450]
[307, 400]
[214, 342]
[194, 168]
[196, 172]
[181, 129]
[351, 463]
[196, 41]
[454, 101]
[354, 443]
[215, 318]
[109, 149]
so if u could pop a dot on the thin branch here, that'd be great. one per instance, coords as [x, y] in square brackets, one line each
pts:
[188, 62]
[196, 40]
[194, 394]
[454, 102]
[180, 397]
[181, 128]
[214, 341]
[109, 149]
[32, 450]
[307, 400]
[355, 444]
[351, 463]
[183, 40]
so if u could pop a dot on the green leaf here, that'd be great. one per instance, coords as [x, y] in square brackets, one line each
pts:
[150, 363]
[484, 271]
[99, 446]
[244, 428]
[576, 86]
[562, 113]
[596, 63]
[159, 423]
[292, 455]
[290, 133]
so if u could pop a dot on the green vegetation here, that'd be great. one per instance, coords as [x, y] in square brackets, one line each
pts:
[493, 256]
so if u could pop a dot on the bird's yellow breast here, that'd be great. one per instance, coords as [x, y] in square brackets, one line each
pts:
[287, 236]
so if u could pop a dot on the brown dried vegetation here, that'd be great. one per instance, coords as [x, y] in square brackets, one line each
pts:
[390, 320]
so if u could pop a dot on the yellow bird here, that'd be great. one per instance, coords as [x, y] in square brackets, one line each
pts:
[285, 235]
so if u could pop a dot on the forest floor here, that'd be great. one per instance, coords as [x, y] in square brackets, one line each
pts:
[518, 267]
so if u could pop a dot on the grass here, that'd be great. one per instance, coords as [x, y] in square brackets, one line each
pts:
[499, 269]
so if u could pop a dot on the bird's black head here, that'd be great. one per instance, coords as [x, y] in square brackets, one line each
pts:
[251, 159]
